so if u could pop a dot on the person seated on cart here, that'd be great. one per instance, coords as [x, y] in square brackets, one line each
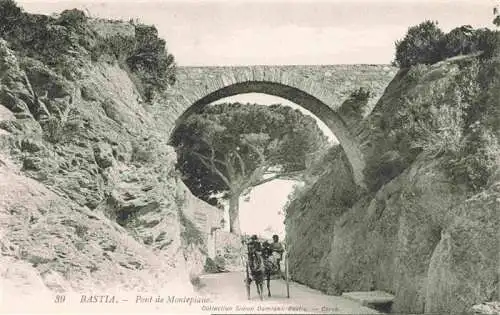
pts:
[277, 247]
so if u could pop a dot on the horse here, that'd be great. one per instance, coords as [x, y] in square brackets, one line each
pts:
[255, 269]
[271, 265]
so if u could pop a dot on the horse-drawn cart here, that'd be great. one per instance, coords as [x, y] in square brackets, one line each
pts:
[259, 265]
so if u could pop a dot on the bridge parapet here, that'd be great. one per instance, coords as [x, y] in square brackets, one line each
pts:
[331, 84]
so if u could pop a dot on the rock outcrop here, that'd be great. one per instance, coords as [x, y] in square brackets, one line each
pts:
[427, 231]
[90, 198]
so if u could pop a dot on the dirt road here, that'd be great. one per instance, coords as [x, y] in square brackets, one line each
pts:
[228, 295]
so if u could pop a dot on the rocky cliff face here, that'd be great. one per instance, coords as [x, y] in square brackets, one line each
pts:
[427, 231]
[90, 199]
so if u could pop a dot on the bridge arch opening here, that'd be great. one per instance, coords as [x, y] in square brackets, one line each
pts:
[305, 100]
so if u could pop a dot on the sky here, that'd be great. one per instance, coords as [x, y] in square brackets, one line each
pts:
[239, 32]
[263, 214]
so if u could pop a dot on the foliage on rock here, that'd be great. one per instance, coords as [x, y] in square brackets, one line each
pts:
[215, 265]
[145, 54]
[426, 43]
[420, 45]
[355, 105]
[448, 111]
[65, 41]
[9, 13]
[73, 18]
[191, 234]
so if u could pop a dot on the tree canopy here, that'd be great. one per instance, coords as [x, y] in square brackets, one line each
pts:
[496, 14]
[230, 148]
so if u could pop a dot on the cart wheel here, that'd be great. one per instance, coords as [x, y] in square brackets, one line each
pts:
[287, 277]
[248, 289]
[247, 281]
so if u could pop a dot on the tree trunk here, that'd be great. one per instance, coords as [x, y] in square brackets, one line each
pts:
[227, 220]
[234, 218]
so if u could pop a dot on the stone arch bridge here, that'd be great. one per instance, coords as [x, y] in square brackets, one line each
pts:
[319, 89]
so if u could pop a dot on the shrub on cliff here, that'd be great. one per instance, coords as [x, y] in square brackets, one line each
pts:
[117, 46]
[488, 42]
[190, 234]
[477, 160]
[9, 12]
[466, 40]
[383, 168]
[478, 156]
[72, 18]
[356, 103]
[50, 40]
[210, 266]
[434, 128]
[459, 41]
[427, 44]
[63, 125]
[420, 45]
[151, 61]
[144, 54]
[55, 41]
[445, 116]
